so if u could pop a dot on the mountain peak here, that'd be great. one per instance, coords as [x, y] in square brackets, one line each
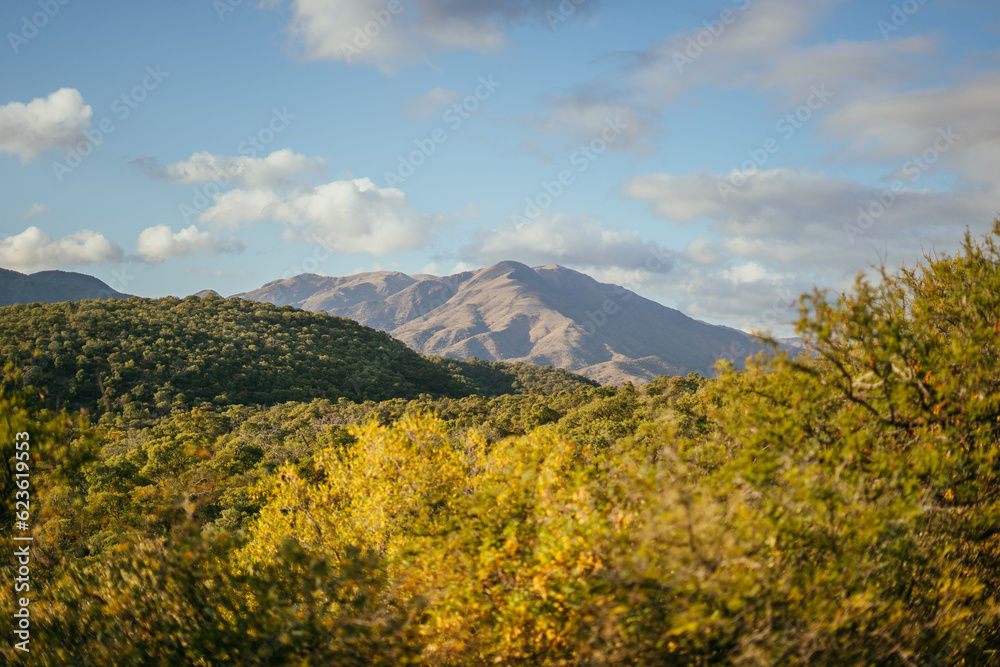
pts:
[549, 315]
[506, 266]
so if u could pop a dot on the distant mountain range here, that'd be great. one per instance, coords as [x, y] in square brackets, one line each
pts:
[548, 315]
[512, 312]
[52, 287]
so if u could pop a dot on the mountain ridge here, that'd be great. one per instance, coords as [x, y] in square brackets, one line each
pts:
[52, 287]
[509, 312]
[547, 315]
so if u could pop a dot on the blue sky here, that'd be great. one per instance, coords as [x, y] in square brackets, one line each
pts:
[720, 158]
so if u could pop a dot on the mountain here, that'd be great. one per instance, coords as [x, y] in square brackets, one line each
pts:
[547, 315]
[52, 287]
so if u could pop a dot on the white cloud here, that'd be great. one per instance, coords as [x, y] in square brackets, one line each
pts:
[432, 101]
[35, 209]
[35, 250]
[577, 242]
[277, 169]
[398, 32]
[751, 272]
[158, 243]
[344, 216]
[27, 130]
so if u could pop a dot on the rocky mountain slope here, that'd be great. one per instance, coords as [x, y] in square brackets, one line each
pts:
[512, 312]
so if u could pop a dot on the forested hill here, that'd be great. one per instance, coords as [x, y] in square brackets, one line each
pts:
[140, 358]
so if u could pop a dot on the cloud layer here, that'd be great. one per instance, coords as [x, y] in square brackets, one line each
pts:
[900, 125]
[760, 46]
[783, 231]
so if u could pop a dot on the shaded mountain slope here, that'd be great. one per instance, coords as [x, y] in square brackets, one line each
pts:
[52, 287]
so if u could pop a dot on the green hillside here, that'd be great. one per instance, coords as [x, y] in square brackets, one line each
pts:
[137, 355]
[141, 358]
